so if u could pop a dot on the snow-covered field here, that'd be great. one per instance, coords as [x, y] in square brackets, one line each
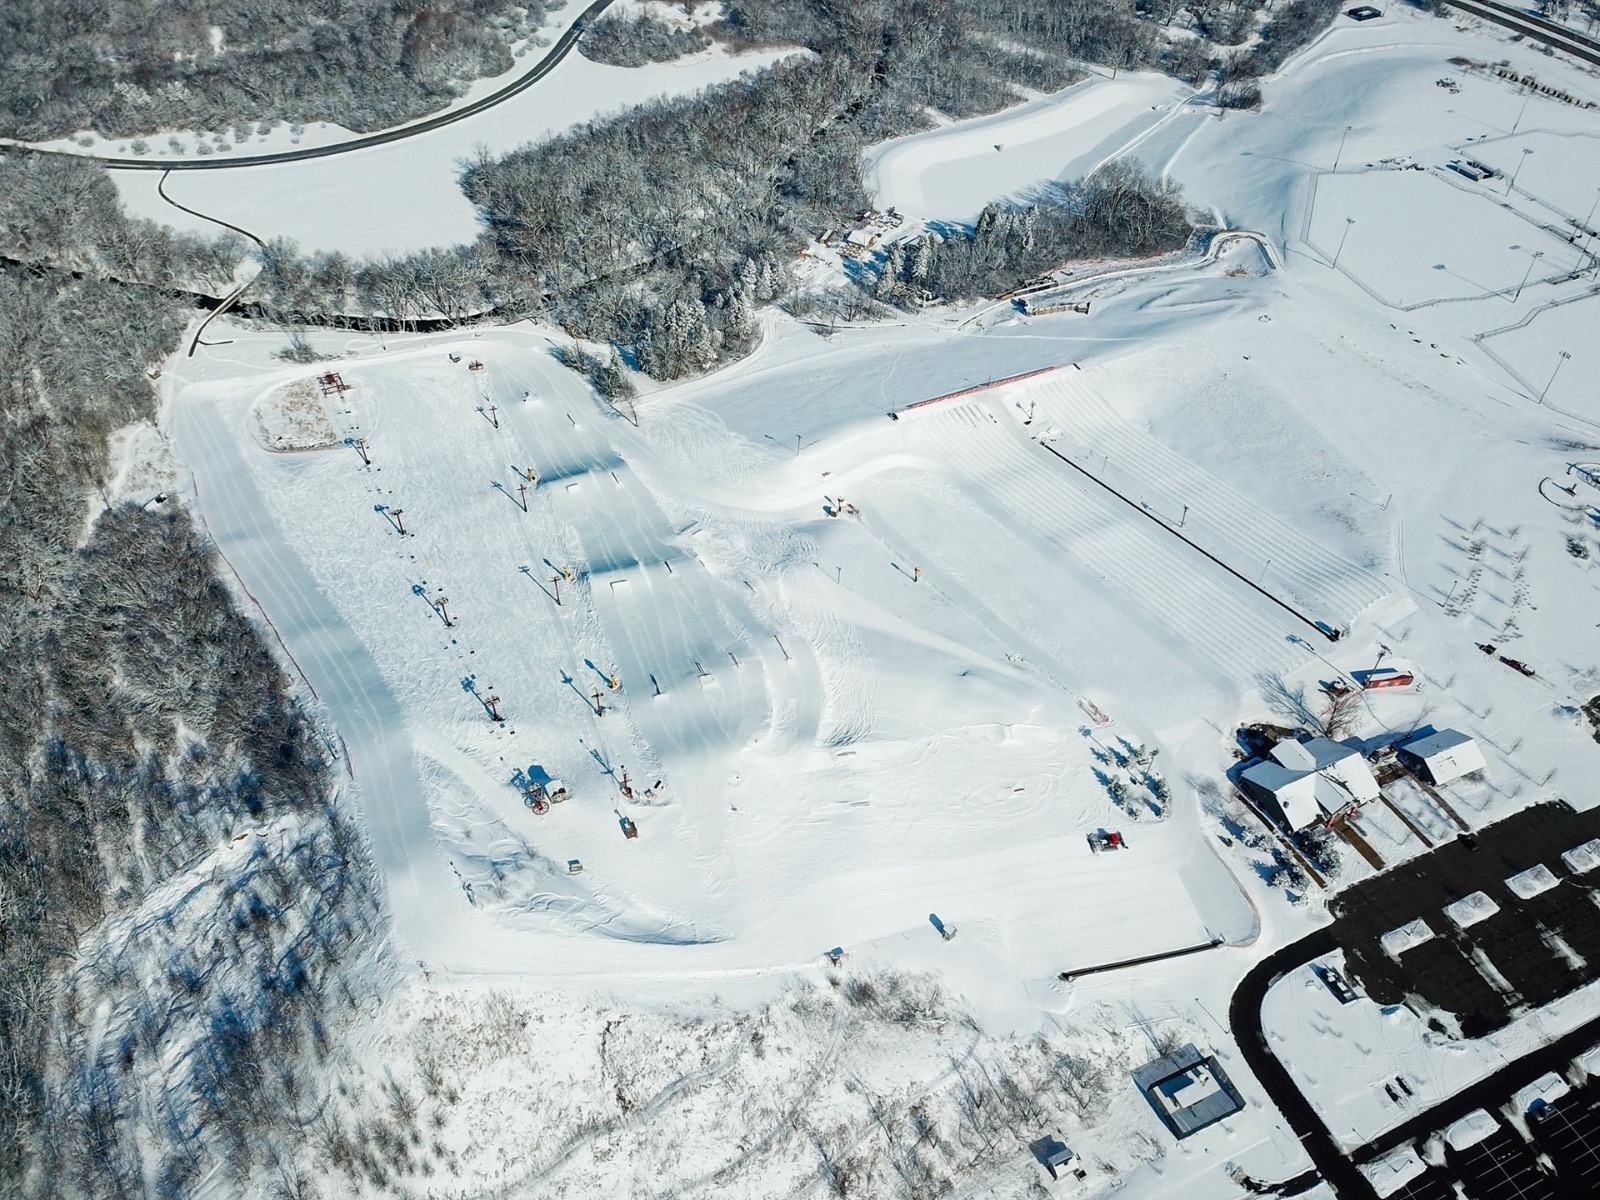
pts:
[405, 195]
[850, 730]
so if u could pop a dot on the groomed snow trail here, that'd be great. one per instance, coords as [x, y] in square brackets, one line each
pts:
[1322, 583]
[1187, 594]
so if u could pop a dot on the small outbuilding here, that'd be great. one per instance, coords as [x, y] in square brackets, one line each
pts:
[1443, 756]
[1188, 1090]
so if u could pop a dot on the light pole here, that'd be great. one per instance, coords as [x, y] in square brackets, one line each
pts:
[1524, 109]
[1512, 182]
[1348, 221]
[1588, 224]
[1532, 262]
[1560, 358]
[1340, 152]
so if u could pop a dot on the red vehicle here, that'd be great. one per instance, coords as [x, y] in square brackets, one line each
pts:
[1102, 839]
[1517, 665]
[1388, 679]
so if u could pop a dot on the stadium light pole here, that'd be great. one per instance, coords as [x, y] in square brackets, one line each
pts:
[1532, 262]
[1560, 358]
[1348, 221]
[1340, 152]
[1512, 182]
[1588, 224]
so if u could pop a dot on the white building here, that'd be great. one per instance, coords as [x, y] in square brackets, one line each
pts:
[1309, 780]
[1444, 756]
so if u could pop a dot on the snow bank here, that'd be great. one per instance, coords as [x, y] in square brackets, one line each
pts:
[1389, 1175]
[1410, 935]
[1471, 1129]
[1546, 1089]
[1589, 1060]
[1469, 910]
[1528, 884]
[1582, 859]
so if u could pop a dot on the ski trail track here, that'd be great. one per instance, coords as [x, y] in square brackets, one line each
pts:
[1328, 586]
[1164, 577]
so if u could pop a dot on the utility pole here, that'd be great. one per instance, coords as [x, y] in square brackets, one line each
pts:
[599, 709]
[493, 705]
[556, 579]
[522, 494]
[916, 574]
[1183, 519]
[444, 611]
[397, 513]
[361, 449]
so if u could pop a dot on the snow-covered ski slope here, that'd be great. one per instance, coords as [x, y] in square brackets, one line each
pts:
[836, 727]
[832, 758]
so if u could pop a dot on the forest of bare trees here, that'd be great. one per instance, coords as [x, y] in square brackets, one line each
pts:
[1116, 212]
[126, 67]
[637, 39]
[153, 1034]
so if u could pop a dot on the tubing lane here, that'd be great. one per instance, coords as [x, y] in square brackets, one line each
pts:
[1249, 583]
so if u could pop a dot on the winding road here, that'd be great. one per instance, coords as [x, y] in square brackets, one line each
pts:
[563, 46]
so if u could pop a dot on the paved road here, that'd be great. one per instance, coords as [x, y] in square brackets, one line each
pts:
[1568, 41]
[545, 65]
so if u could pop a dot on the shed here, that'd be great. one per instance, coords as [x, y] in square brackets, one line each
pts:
[1061, 1161]
[1443, 756]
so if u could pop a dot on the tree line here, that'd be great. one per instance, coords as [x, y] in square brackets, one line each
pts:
[123, 68]
[151, 1037]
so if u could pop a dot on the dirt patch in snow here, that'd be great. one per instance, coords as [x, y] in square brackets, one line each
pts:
[292, 418]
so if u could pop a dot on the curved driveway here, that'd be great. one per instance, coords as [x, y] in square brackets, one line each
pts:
[545, 65]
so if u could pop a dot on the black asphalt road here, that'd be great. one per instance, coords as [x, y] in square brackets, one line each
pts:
[548, 63]
[1568, 41]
